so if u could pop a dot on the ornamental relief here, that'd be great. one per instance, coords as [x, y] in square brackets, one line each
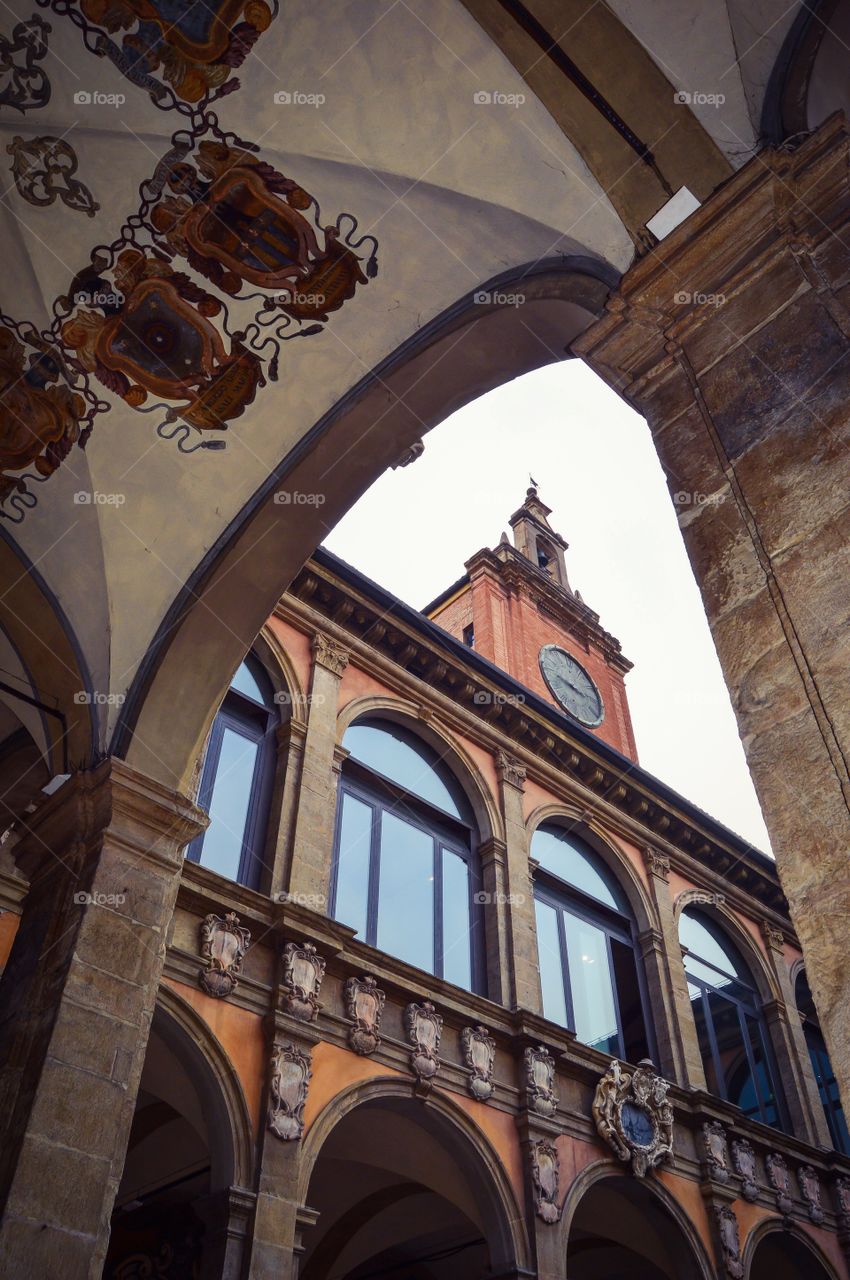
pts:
[303, 971]
[364, 1005]
[545, 1174]
[223, 946]
[744, 1160]
[726, 1225]
[540, 1081]
[424, 1028]
[479, 1054]
[290, 1077]
[632, 1114]
[716, 1151]
[23, 84]
[777, 1176]
[809, 1184]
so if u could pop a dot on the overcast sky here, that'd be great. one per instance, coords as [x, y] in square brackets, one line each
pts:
[597, 469]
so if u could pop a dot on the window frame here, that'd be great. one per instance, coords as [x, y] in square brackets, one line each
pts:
[818, 1056]
[256, 722]
[559, 894]
[383, 795]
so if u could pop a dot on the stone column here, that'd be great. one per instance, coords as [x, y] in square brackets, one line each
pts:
[678, 1046]
[290, 759]
[795, 1066]
[733, 339]
[103, 855]
[226, 1215]
[519, 906]
[499, 959]
[314, 823]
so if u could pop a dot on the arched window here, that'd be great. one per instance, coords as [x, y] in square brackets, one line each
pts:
[237, 778]
[732, 1036]
[404, 872]
[821, 1065]
[591, 978]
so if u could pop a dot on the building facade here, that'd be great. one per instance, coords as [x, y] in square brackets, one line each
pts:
[451, 986]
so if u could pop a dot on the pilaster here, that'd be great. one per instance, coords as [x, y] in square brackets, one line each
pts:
[519, 906]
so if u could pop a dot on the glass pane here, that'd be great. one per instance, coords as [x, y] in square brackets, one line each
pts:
[567, 859]
[698, 936]
[713, 1084]
[457, 934]
[734, 1064]
[768, 1110]
[406, 893]
[551, 969]
[590, 985]
[411, 764]
[352, 875]
[245, 682]
[721, 982]
[231, 796]
[635, 1045]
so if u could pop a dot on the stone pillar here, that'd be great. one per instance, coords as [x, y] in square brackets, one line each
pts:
[226, 1215]
[678, 1046]
[733, 339]
[290, 760]
[499, 960]
[314, 823]
[519, 906]
[103, 855]
[795, 1066]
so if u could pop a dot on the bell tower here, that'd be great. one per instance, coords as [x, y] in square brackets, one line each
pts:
[515, 606]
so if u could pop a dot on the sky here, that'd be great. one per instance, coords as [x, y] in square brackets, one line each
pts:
[596, 467]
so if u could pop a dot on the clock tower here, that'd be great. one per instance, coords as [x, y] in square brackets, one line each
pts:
[516, 607]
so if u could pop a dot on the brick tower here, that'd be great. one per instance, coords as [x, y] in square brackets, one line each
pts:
[515, 606]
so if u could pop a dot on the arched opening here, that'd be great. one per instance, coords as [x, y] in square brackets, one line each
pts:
[186, 1144]
[780, 1255]
[620, 1228]
[402, 1194]
[821, 1065]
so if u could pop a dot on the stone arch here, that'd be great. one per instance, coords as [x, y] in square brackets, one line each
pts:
[654, 1194]
[283, 674]
[603, 843]
[220, 609]
[803, 68]
[741, 938]
[807, 1250]
[475, 1156]
[475, 786]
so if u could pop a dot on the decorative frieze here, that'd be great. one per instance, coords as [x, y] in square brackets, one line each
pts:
[303, 971]
[545, 1173]
[632, 1114]
[777, 1176]
[809, 1184]
[424, 1027]
[540, 1081]
[223, 945]
[726, 1225]
[290, 1076]
[329, 654]
[479, 1054]
[364, 1004]
[744, 1162]
[716, 1151]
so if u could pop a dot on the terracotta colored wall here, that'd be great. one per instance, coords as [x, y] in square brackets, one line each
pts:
[8, 928]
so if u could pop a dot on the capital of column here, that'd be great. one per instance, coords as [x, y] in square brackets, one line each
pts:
[774, 938]
[657, 863]
[510, 770]
[329, 653]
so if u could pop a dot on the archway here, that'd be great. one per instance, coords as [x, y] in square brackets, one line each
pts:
[190, 1139]
[403, 1193]
[621, 1228]
[781, 1255]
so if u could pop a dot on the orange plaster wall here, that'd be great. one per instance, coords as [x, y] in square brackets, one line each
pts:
[240, 1034]
[573, 1157]
[689, 1196]
[8, 928]
[297, 646]
[501, 1131]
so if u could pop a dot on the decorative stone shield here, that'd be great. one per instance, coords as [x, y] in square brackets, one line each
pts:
[842, 1196]
[424, 1027]
[633, 1116]
[290, 1076]
[540, 1080]
[545, 1170]
[479, 1052]
[777, 1173]
[303, 971]
[223, 946]
[364, 1003]
[727, 1233]
[744, 1160]
[810, 1191]
[716, 1154]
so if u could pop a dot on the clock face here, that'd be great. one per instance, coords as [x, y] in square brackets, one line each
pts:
[637, 1125]
[571, 685]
